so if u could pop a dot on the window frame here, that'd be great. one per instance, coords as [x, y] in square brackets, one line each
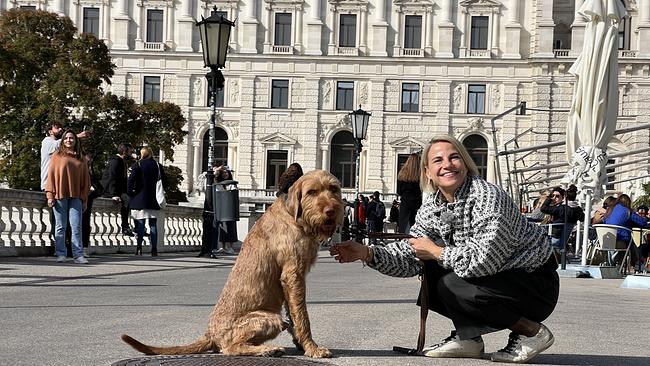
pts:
[347, 36]
[144, 88]
[474, 41]
[273, 88]
[277, 172]
[412, 31]
[286, 29]
[474, 96]
[149, 26]
[347, 92]
[411, 102]
[98, 20]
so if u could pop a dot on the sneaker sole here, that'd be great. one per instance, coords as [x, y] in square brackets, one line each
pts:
[455, 355]
[532, 354]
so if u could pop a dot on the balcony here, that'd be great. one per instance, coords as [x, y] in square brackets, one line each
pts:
[561, 53]
[412, 52]
[479, 53]
[347, 51]
[286, 50]
[627, 54]
[153, 46]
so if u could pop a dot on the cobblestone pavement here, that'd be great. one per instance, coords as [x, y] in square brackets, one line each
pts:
[67, 314]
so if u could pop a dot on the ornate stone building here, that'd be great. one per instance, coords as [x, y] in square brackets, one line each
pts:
[421, 67]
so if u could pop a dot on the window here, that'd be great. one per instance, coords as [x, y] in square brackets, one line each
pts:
[610, 185]
[476, 99]
[348, 30]
[479, 39]
[410, 97]
[413, 31]
[28, 7]
[343, 159]
[151, 89]
[154, 25]
[220, 148]
[91, 21]
[282, 29]
[344, 95]
[276, 164]
[623, 32]
[220, 98]
[478, 150]
[280, 94]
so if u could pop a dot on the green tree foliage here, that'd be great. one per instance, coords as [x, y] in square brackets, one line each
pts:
[49, 74]
[645, 198]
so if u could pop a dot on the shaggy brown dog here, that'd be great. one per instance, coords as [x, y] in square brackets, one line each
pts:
[270, 270]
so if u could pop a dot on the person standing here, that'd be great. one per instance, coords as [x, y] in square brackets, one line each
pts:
[228, 229]
[114, 180]
[67, 188]
[95, 192]
[375, 213]
[141, 188]
[486, 268]
[410, 194]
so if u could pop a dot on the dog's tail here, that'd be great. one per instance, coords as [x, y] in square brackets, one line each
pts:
[199, 346]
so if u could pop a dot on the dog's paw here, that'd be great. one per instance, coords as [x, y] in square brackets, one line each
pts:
[274, 352]
[318, 352]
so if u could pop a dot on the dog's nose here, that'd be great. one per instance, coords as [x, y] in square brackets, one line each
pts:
[329, 211]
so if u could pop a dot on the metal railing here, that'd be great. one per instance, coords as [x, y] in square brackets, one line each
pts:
[560, 53]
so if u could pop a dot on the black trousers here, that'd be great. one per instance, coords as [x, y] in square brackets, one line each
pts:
[487, 304]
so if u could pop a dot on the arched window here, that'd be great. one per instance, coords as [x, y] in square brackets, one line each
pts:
[220, 148]
[342, 159]
[478, 150]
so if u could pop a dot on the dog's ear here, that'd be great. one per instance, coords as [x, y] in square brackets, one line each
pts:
[293, 199]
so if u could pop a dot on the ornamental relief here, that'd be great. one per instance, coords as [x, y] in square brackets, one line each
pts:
[155, 3]
[325, 92]
[457, 98]
[413, 6]
[284, 5]
[220, 4]
[496, 97]
[480, 7]
[197, 92]
[348, 5]
[363, 93]
[233, 86]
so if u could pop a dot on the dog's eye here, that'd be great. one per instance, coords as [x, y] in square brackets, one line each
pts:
[311, 192]
[335, 190]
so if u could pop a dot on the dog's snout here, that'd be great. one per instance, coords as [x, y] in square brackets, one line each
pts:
[330, 211]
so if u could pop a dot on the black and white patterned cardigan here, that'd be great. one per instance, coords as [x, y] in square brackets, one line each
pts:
[485, 235]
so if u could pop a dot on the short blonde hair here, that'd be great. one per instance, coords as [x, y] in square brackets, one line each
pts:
[145, 153]
[425, 183]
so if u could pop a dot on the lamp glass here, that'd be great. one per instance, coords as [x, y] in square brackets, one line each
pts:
[215, 34]
[360, 119]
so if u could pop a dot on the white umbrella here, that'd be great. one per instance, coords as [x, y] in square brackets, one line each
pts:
[592, 119]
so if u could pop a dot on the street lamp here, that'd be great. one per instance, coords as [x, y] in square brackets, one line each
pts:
[360, 120]
[215, 35]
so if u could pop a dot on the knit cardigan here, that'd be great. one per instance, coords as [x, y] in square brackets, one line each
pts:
[67, 177]
[482, 233]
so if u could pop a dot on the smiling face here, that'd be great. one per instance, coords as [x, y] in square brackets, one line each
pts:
[445, 168]
[69, 141]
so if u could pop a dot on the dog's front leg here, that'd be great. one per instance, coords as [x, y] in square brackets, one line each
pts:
[293, 286]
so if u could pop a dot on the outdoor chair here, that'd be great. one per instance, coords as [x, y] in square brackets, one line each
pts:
[564, 238]
[607, 243]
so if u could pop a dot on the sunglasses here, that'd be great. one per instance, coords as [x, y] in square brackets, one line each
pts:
[556, 196]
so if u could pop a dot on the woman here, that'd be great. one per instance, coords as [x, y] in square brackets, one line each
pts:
[141, 187]
[486, 267]
[68, 185]
[288, 178]
[621, 214]
[228, 229]
[410, 194]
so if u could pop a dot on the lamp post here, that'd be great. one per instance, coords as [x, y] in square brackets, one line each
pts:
[360, 120]
[215, 35]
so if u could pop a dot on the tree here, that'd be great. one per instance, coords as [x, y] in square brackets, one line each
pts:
[46, 73]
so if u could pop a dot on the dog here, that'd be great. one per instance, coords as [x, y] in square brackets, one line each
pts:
[271, 271]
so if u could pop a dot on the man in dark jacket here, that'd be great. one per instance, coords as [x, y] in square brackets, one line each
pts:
[114, 181]
[564, 215]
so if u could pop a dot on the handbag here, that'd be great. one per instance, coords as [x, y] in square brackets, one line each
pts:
[160, 190]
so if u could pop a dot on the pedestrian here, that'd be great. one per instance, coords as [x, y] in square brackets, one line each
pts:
[564, 215]
[141, 188]
[95, 192]
[410, 194]
[114, 181]
[375, 213]
[228, 229]
[67, 188]
[393, 216]
[485, 266]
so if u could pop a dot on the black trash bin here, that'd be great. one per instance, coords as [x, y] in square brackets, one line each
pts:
[225, 202]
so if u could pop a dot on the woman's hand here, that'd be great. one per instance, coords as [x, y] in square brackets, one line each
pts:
[425, 249]
[50, 202]
[349, 251]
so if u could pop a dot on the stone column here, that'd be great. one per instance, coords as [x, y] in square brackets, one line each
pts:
[121, 22]
[185, 28]
[363, 31]
[373, 161]
[170, 26]
[397, 47]
[446, 31]
[196, 166]
[141, 16]
[314, 30]
[513, 32]
[644, 29]
[105, 30]
[311, 143]
[245, 174]
[428, 24]
[249, 23]
[545, 29]
[269, 24]
[331, 46]
[462, 25]
[494, 42]
[57, 7]
[298, 30]
[379, 30]
[577, 30]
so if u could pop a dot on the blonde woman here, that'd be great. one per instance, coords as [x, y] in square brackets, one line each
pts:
[141, 187]
[487, 268]
[67, 188]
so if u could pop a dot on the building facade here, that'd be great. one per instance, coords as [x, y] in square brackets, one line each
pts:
[296, 68]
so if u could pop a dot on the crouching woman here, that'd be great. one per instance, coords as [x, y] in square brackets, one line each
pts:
[487, 268]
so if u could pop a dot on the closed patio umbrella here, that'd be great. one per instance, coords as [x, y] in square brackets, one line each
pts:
[594, 108]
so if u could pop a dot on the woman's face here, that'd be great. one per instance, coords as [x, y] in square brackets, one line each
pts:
[445, 167]
[68, 141]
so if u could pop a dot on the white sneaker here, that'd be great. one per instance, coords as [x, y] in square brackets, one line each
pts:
[229, 250]
[61, 258]
[454, 347]
[81, 260]
[521, 349]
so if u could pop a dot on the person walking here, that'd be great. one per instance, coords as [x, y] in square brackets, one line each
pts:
[141, 188]
[114, 180]
[485, 266]
[410, 194]
[67, 188]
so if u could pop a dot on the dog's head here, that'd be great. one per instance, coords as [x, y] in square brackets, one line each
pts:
[315, 202]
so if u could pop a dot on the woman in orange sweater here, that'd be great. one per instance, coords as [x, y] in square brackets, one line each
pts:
[68, 185]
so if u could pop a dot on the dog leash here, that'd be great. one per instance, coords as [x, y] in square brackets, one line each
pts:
[424, 298]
